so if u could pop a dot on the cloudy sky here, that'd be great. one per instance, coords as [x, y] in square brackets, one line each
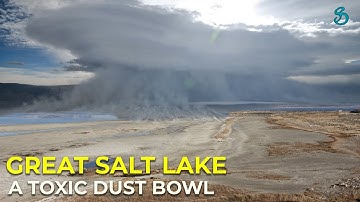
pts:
[267, 50]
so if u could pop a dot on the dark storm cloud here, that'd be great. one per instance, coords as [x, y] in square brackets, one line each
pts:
[145, 55]
[118, 34]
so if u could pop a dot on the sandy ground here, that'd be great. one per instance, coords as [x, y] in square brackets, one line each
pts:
[271, 156]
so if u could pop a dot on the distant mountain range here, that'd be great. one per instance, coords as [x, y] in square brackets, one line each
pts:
[16, 95]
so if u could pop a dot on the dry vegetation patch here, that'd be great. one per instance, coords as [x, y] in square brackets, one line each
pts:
[225, 193]
[339, 126]
[284, 148]
[222, 193]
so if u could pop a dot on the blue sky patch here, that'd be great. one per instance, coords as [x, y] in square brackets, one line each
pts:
[25, 57]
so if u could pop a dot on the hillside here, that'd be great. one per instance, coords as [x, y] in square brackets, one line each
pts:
[15, 95]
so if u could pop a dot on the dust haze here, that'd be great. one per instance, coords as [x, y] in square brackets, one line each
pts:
[149, 60]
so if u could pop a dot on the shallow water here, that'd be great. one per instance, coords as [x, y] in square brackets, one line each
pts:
[218, 108]
[227, 107]
[55, 117]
